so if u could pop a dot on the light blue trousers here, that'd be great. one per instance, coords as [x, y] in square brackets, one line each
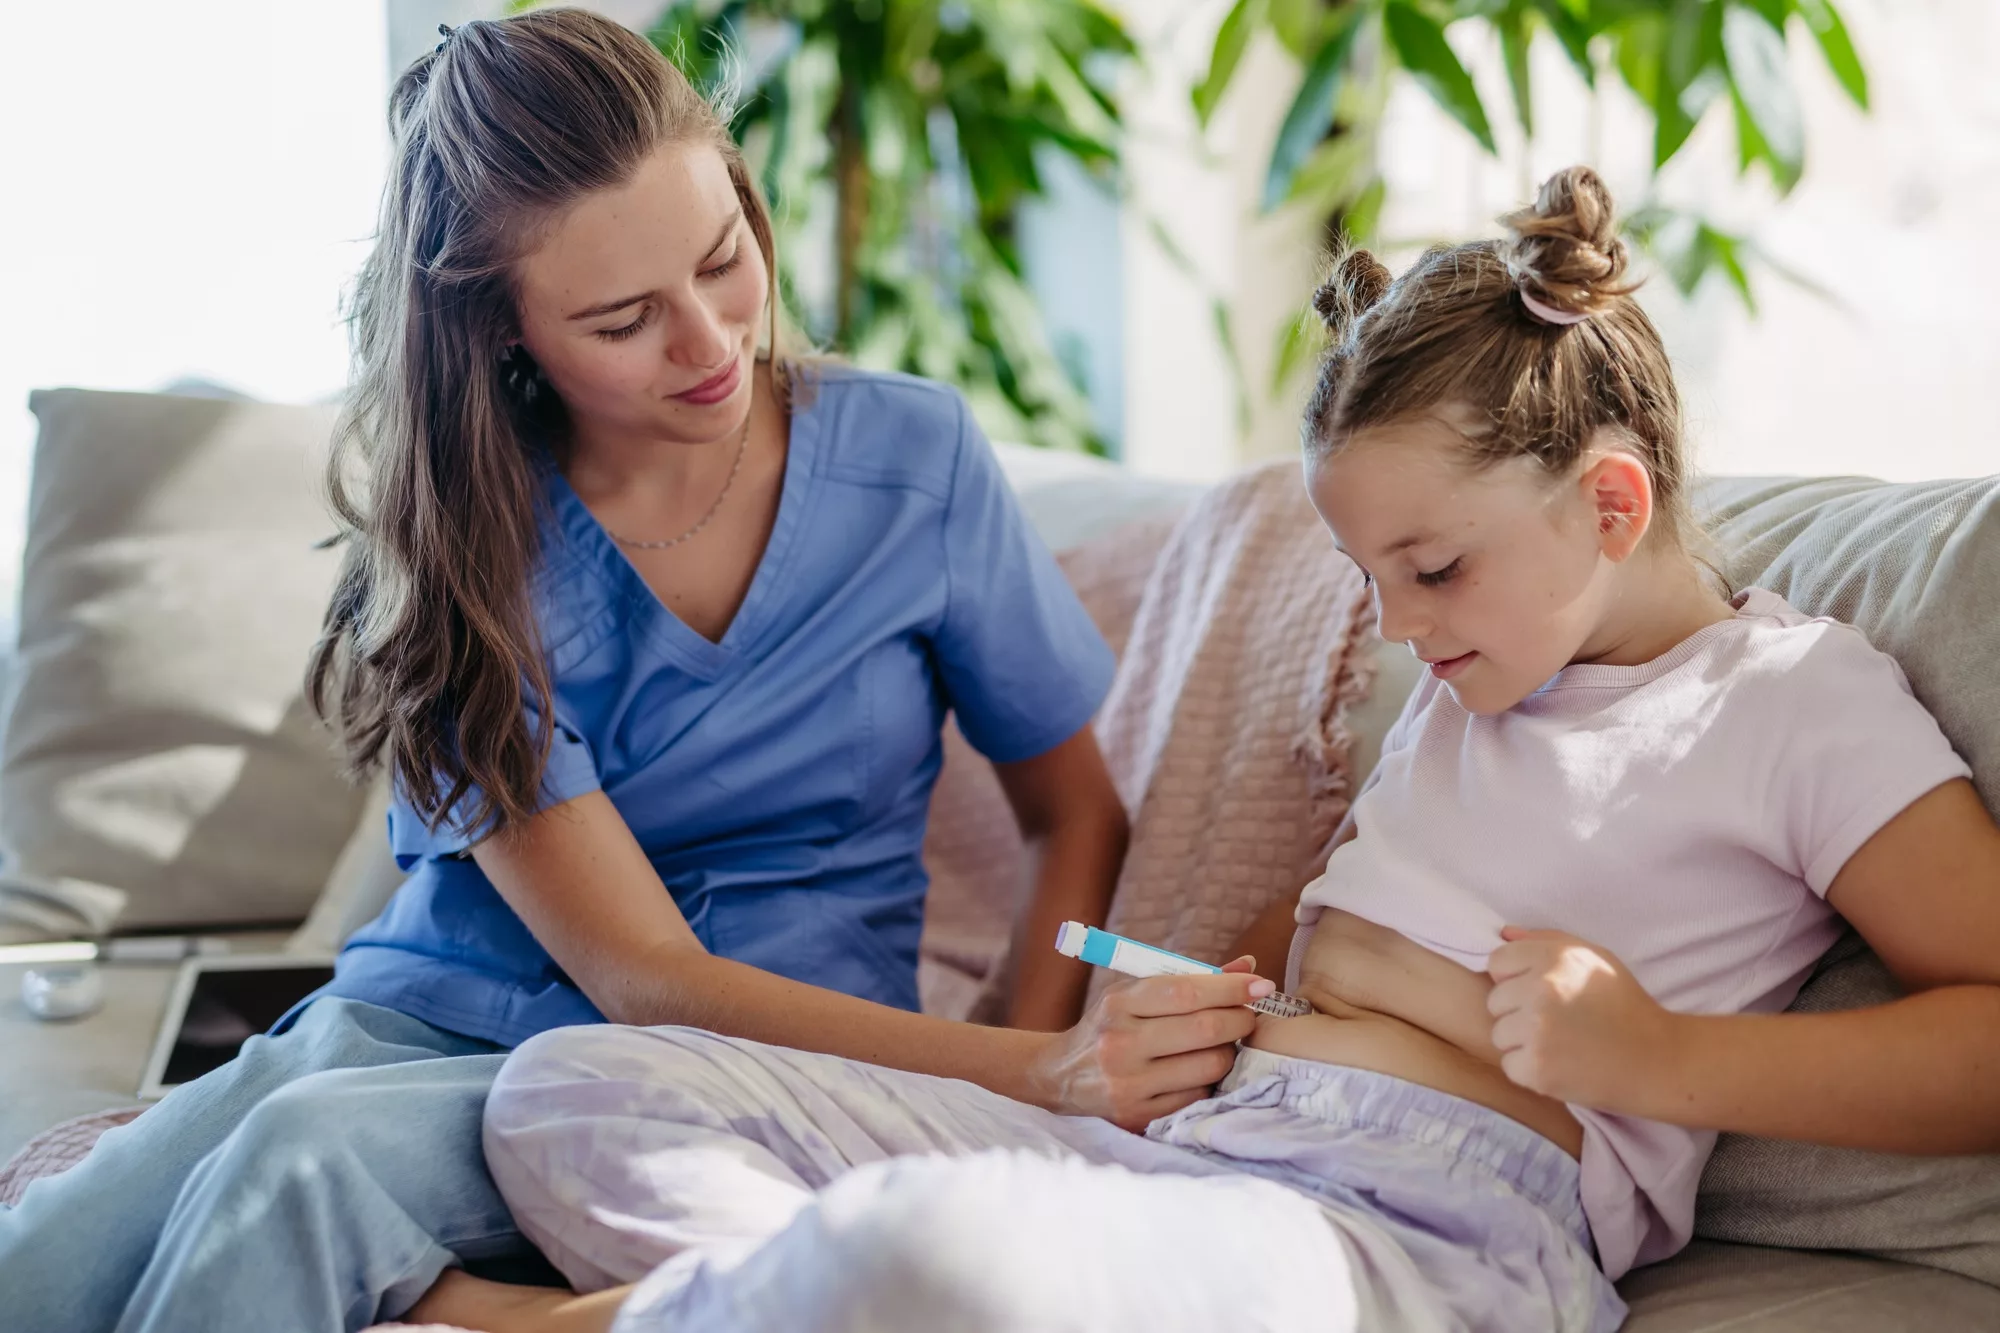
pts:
[320, 1181]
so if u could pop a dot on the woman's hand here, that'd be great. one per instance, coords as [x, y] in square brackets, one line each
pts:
[1570, 1020]
[1149, 1047]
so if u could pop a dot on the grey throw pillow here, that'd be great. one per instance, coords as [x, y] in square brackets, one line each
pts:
[1915, 567]
[159, 742]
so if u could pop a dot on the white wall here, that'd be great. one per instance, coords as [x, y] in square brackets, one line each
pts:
[190, 188]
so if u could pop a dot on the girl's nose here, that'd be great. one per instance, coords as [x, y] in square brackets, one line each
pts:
[1398, 619]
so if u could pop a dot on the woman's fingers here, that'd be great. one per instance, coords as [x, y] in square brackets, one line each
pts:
[1162, 997]
[1163, 1105]
[1193, 1072]
[1173, 1034]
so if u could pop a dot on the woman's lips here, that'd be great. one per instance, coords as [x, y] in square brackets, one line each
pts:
[715, 389]
[1446, 668]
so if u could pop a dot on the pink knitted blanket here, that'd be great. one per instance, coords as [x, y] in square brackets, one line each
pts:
[1240, 636]
[1240, 640]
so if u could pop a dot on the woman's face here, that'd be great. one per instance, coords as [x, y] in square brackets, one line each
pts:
[643, 302]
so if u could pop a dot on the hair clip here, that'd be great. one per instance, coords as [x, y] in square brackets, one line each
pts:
[1547, 313]
[444, 31]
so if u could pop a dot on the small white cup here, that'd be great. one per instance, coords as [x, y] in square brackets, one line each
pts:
[62, 990]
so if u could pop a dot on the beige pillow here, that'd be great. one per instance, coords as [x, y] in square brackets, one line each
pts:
[158, 741]
[363, 879]
[1917, 568]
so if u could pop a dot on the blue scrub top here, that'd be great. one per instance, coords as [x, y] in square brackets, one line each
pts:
[778, 780]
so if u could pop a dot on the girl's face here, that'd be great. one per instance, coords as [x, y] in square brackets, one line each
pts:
[1496, 577]
[643, 303]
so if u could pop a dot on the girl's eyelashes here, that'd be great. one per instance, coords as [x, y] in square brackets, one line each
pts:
[626, 330]
[1438, 577]
[723, 269]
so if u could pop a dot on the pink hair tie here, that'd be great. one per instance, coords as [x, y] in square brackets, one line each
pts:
[1547, 313]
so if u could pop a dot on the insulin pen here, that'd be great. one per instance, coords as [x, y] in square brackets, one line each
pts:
[1103, 949]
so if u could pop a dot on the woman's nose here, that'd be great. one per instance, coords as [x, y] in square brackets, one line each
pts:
[701, 339]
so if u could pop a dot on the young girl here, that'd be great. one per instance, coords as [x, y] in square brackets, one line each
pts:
[1605, 845]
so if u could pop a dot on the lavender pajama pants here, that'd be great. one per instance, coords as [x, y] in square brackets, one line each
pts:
[750, 1188]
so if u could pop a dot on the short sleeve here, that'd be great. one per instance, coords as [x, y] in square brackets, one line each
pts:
[1022, 663]
[1863, 750]
[571, 772]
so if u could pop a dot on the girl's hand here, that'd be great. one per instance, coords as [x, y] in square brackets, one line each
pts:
[1570, 1020]
[1147, 1048]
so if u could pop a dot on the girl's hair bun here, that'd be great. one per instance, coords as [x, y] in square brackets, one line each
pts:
[1565, 251]
[1357, 283]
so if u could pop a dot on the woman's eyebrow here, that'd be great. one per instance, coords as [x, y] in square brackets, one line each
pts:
[607, 307]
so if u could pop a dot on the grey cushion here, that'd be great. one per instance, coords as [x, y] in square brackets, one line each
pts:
[1917, 568]
[158, 742]
[1713, 1288]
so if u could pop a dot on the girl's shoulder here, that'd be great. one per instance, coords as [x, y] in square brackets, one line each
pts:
[1770, 640]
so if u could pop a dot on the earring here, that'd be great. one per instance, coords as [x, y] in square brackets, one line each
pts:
[520, 375]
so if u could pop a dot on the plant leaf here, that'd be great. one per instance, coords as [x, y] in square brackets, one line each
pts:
[1327, 179]
[1515, 38]
[1764, 95]
[1231, 40]
[1310, 115]
[1837, 46]
[1723, 251]
[1300, 25]
[1298, 342]
[1690, 75]
[1360, 218]
[1421, 46]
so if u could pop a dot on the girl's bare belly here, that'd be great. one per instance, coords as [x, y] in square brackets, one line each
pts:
[1389, 1005]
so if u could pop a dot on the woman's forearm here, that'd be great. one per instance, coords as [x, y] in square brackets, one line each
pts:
[1921, 1075]
[684, 986]
[1075, 868]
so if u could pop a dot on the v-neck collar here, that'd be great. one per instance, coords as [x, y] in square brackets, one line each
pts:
[694, 653]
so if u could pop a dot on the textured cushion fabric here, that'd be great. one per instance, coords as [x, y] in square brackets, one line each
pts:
[1917, 568]
[363, 879]
[1713, 1288]
[158, 741]
[57, 1150]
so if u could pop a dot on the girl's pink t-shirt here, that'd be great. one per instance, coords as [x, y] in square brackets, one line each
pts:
[1688, 815]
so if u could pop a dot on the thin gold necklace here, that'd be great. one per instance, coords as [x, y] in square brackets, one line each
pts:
[742, 441]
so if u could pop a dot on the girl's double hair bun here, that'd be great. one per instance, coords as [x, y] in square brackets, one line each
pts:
[1357, 284]
[1564, 251]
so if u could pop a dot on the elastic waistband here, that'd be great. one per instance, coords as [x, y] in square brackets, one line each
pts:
[1363, 1100]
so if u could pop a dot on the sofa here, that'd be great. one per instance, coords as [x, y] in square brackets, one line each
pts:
[156, 743]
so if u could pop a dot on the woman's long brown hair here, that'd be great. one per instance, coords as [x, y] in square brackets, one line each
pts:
[430, 659]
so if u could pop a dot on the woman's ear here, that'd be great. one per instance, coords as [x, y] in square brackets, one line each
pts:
[1618, 491]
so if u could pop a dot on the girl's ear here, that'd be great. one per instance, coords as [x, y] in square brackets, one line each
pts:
[1619, 493]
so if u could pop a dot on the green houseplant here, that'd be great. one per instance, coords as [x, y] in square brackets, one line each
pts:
[1682, 60]
[897, 141]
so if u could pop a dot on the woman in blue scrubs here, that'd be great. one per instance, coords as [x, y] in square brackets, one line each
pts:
[656, 634]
